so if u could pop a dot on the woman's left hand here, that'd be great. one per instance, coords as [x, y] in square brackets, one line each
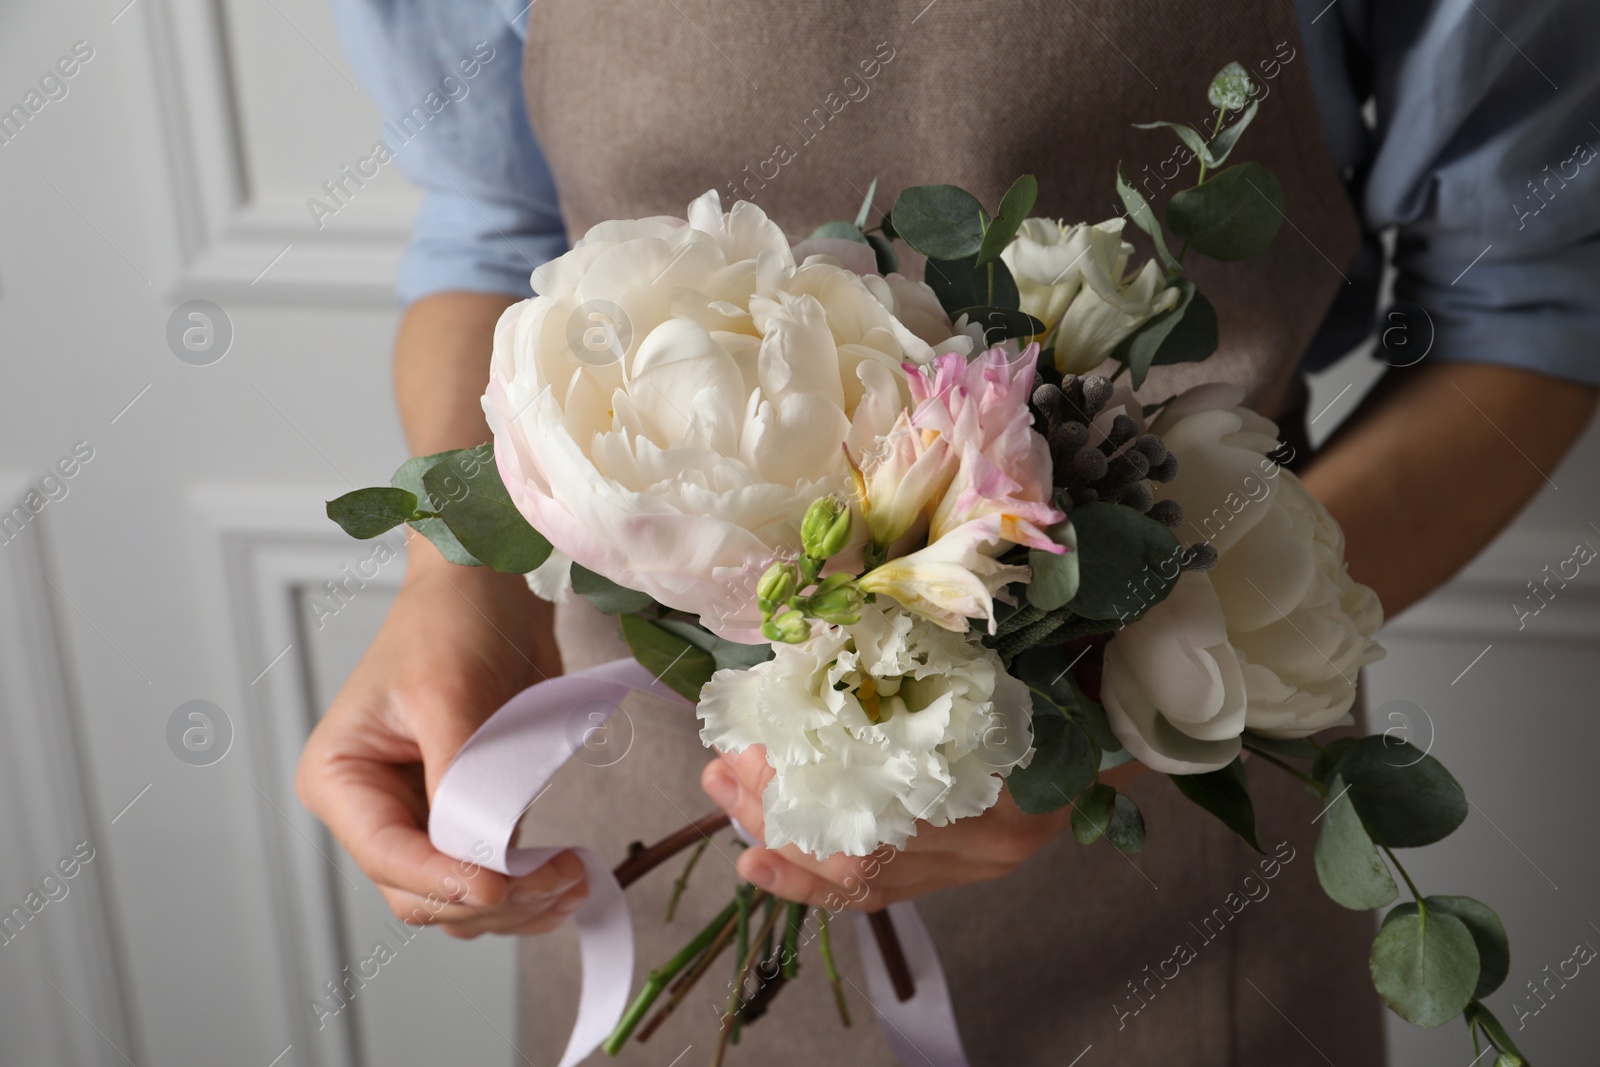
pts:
[976, 849]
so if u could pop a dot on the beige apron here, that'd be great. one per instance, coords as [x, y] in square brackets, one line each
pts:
[641, 105]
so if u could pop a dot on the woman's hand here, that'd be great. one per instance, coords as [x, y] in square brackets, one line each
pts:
[978, 849]
[456, 645]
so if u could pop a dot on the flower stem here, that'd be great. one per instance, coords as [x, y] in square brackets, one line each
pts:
[686, 982]
[641, 861]
[1321, 789]
[735, 999]
[683, 879]
[658, 979]
[825, 946]
[1415, 892]
[789, 954]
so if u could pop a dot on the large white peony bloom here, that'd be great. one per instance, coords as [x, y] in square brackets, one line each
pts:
[672, 401]
[871, 727]
[1273, 637]
[1076, 280]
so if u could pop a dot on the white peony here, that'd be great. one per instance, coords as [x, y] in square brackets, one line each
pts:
[1273, 637]
[676, 396]
[1076, 280]
[870, 728]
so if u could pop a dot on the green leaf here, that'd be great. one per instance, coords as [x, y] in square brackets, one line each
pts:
[1055, 577]
[940, 221]
[1185, 333]
[1118, 546]
[1091, 813]
[1144, 218]
[1225, 794]
[961, 284]
[1405, 797]
[409, 477]
[1014, 208]
[1230, 88]
[1223, 143]
[866, 205]
[735, 655]
[1348, 864]
[607, 596]
[1488, 935]
[888, 262]
[1126, 831]
[675, 662]
[1191, 137]
[475, 505]
[1480, 1016]
[1001, 323]
[366, 513]
[840, 230]
[1063, 763]
[1333, 754]
[1293, 747]
[1424, 967]
[1232, 215]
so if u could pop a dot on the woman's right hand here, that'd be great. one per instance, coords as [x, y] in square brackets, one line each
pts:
[456, 645]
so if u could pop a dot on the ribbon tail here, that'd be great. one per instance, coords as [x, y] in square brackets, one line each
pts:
[921, 1032]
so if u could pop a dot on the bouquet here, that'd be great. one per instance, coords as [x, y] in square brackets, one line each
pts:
[903, 536]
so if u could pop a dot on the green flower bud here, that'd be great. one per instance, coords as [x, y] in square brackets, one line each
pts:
[826, 528]
[837, 600]
[789, 627]
[777, 585]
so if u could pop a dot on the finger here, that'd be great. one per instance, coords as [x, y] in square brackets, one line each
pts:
[520, 923]
[726, 786]
[373, 809]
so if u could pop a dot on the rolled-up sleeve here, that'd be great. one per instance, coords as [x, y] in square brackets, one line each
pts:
[448, 80]
[1486, 165]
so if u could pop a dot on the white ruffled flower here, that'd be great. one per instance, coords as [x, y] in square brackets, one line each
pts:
[1273, 637]
[870, 728]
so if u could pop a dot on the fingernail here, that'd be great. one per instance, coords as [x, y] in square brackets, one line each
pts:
[532, 894]
[721, 787]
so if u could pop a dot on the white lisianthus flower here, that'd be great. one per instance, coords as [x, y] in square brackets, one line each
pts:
[1273, 637]
[1078, 277]
[870, 728]
[676, 396]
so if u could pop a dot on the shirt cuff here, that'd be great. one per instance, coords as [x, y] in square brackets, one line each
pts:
[474, 245]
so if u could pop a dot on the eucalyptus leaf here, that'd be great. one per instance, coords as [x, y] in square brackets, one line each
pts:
[735, 655]
[1488, 935]
[607, 596]
[1192, 138]
[409, 477]
[1063, 763]
[1225, 794]
[1232, 215]
[675, 662]
[940, 221]
[1332, 755]
[1480, 1016]
[1348, 864]
[840, 230]
[1143, 217]
[473, 502]
[1055, 576]
[1230, 88]
[1223, 143]
[1014, 208]
[1424, 967]
[1126, 830]
[365, 513]
[888, 262]
[1405, 797]
[960, 284]
[1091, 813]
[1185, 333]
[1128, 562]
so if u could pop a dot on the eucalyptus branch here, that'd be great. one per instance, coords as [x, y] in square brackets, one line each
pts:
[1321, 789]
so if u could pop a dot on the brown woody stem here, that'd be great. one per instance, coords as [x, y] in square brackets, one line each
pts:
[641, 861]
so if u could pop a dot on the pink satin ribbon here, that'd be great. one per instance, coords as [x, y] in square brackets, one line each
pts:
[509, 761]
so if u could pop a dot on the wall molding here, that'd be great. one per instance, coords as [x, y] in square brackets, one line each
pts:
[221, 243]
[71, 942]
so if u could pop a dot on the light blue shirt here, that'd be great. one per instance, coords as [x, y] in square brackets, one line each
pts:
[1480, 159]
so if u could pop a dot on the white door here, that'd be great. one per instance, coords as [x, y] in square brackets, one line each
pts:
[171, 459]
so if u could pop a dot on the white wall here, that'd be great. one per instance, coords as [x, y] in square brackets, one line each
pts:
[177, 565]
